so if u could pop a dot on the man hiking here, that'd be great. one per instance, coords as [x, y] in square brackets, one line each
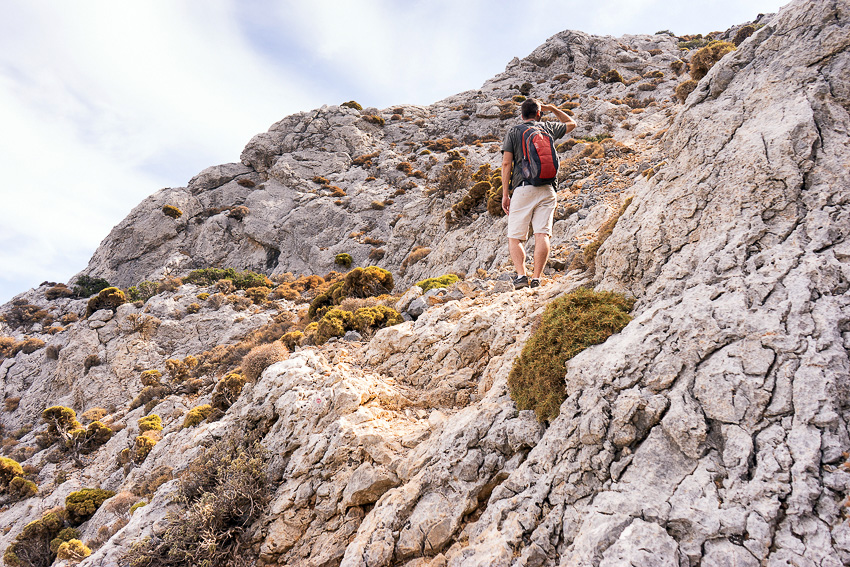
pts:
[528, 150]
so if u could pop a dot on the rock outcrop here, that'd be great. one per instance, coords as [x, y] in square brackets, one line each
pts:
[713, 430]
[296, 224]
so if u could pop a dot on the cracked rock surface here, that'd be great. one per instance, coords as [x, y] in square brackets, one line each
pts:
[712, 431]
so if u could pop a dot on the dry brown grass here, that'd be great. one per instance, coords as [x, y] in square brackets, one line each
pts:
[416, 255]
[225, 358]
[261, 357]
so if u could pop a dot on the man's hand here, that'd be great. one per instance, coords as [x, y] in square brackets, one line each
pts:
[560, 115]
[507, 165]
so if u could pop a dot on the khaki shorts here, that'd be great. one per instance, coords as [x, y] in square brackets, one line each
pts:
[534, 206]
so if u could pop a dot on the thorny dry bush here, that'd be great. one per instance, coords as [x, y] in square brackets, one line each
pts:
[222, 493]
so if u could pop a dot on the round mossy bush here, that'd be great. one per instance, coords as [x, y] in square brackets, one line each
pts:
[109, 298]
[343, 260]
[73, 550]
[82, 504]
[9, 469]
[172, 211]
[22, 488]
[436, 283]
[60, 418]
[150, 422]
[569, 324]
[196, 415]
[358, 283]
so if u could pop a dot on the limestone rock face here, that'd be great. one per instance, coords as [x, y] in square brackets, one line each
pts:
[713, 430]
[296, 224]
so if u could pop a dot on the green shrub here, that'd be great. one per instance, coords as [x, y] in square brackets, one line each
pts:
[172, 211]
[241, 280]
[292, 339]
[151, 377]
[137, 505]
[107, 298]
[82, 504]
[518, 98]
[352, 104]
[434, 283]
[743, 33]
[31, 547]
[86, 286]
[705, 58]
[613, 76]
[73, 550]
[595, 139]
[60, 419]
[258, 294]
[336, 322]
[570, 324]
[225, 491]
[144, 444]
[343, 260]
[333, 324]
[150, 422]
[525, 88]
[142, 291]
[477, 193]
[22, 488]
[359, 282]
[494, 196]
[377, 317]
[196, 415]
[67, 534]
[97, 434]
[9, 469]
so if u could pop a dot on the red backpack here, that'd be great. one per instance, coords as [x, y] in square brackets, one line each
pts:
[539, 159]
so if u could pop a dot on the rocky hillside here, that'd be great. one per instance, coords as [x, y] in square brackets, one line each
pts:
[712, 430]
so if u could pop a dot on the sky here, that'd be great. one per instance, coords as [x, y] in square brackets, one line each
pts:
[103, 103]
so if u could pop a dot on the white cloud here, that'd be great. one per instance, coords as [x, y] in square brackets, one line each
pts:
[101, 104]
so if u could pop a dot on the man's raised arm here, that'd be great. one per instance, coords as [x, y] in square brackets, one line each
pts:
[560, 115]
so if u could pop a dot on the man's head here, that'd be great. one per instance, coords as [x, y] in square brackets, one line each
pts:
[530, 109]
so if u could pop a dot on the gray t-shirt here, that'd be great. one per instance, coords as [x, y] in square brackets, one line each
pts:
[513, 144]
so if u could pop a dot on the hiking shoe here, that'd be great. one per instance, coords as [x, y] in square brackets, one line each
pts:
[520, 282]
[535, 282]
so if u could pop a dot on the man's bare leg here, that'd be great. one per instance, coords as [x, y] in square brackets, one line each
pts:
[517, 255]
[541, 253]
